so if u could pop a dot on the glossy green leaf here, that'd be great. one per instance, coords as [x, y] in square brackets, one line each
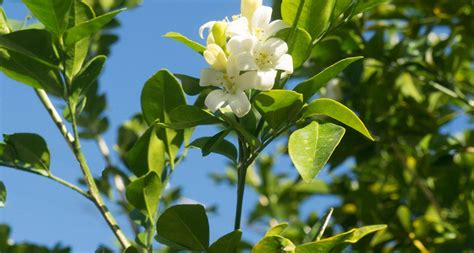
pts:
[30, 151]
[53, 14]
[311, 86]
[341, 7]
[300, 45]
[3, 195]
[88, 75]
[190, 84]
[339, 241]
[337, 111]
[184, 227]
[77, 53]
[85, 29]
[186, 41]
[227, 243]
[274, 244]
[277, 230]
[148, 154]
[144, 193]
[188, 116]
[253, 141]
[315, 15]
[311, 146]
[222, 147]
[278, 106]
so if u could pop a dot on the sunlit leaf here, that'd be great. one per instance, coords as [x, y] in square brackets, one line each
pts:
[52, 13]
[278, 106]
[186, 41]
[145, 193]
[227, 243]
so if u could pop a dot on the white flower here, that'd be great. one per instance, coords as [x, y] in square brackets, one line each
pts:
[262, 59]
[248, 7]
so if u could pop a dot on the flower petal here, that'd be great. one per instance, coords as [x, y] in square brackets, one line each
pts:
[215, 100]
[243, 61]
[266, 79]
[273, 28]
[216, 57]
[275, 47]
[207, 25]
[248, 80]
[262, 17]
[211, 77]
[285, 63]
[239, 103]
[248, 8]
[240, 26]
[240, 43]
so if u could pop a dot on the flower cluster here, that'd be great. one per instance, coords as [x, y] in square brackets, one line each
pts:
[243, 54]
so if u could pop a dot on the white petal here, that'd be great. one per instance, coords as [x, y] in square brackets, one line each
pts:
[239, 103]
[239, 26]
[248, 7]
[240, 62]
[275, 47]
[215, 100]
[266, 79]
[240, 43]
[216, 57]
[248, 80]
[211, 77]
[262, 17]
[207, 25]
[285, 63]
[273, 28]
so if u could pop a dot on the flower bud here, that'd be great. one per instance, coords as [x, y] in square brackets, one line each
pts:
[248, 7]
[219, 33]
[216, 57]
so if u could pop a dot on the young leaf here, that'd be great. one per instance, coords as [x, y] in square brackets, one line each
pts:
[148, 154]
[53, 14]
[76, 54]
[4, 26]
[277, 230]
[188, 116]
[88, 75]
[223, 147]
[88, 28]
[311, 146]
[144, 193]
[299, 47]
[315, 16]
[337, 111]
[190, 84]
[184, 227]
[30, 151]
[278, 106]
[311, 86]
[183, 39]
[274, 244]
[339, 241]
[227, 243]
[3, 195]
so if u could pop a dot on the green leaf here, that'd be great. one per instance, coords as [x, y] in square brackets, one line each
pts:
[30, 151]
[311, 146]
[279, 106]
[211, 145]
[161, 94]
[131, 249]
[277, 230]
[52, 13]
[32, 43]
[3, 195]
[85, 29]
[188, 116]
[274, 244]
[339, 241]
[144, 193]
[318, 228]
[364, 5]
[311, 86]
[337, 111]
[76, 54]
[300, 45]
[184, 227]
[4, 26]
[148, 154]
[250, 138]
[315, 15]
[186, 41]
[190, 84]
[88, 75]
[227, 243]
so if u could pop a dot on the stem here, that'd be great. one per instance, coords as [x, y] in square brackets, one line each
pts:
[241, 176]
[52, 177]
[94, 191]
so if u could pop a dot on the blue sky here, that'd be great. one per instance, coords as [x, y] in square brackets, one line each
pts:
[42, 211]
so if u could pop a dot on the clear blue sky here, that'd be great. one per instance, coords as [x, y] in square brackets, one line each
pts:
[41, 211]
